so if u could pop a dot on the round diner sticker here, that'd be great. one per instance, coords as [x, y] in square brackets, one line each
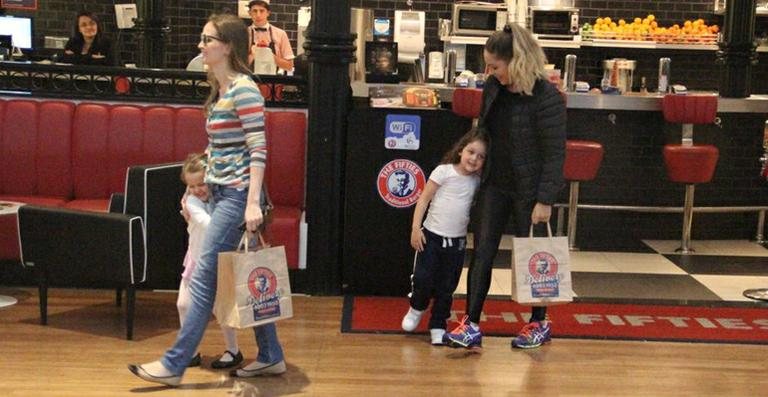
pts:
[400, 183]
[542, 264]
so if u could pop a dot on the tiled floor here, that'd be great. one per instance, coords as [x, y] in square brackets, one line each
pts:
[718, 271]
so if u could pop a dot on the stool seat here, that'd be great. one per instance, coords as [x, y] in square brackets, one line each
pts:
[690, 164]
[582, 160]
[466, 102]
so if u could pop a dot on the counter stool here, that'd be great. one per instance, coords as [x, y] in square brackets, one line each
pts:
[688, 163]
[582, 160]
[467, 102]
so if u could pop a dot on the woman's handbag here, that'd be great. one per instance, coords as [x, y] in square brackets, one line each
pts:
[541, 270]
[252, 287]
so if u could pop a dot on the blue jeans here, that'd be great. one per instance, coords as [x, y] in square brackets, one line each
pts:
[222, 235]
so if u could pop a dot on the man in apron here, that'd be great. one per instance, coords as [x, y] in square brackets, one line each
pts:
[263, 34]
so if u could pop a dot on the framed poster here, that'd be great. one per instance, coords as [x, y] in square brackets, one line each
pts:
[19, 4]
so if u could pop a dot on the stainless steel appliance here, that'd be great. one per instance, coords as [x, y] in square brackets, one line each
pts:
[619, 73]
[361, 23]
[478, 19]
[548, 22]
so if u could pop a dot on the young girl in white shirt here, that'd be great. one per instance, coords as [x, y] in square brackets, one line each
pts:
[441, 242]
[196, 211]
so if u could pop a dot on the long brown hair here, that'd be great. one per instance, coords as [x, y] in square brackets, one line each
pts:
[453, 156]
[232, 31]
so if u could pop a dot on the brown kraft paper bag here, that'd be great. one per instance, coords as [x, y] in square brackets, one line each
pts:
[541, 270]
[252, 287]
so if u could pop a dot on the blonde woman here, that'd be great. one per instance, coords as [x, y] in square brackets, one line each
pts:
[524, 116]
[237, 152]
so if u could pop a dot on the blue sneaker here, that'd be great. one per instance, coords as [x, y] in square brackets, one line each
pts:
[464, 335]
[533, 335]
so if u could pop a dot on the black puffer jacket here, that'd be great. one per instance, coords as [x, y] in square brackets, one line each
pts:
[538, 148]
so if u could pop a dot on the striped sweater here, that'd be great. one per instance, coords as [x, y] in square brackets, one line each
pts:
[236, 136]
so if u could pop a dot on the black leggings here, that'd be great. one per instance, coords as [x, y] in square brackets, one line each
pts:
[491, 213]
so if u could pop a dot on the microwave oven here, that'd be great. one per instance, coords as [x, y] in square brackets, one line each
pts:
[472, 19]
[554, 22]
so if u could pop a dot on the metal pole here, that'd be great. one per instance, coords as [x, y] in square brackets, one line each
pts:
[759, 237]
[687, 219]
[573, 201]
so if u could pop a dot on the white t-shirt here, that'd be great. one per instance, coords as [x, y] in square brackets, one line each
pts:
[199, 218]
[448, 213]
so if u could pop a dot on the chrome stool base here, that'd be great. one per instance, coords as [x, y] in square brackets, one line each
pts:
[760, 294]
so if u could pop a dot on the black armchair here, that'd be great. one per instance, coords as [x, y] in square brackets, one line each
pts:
[68, 246]
[140, 242]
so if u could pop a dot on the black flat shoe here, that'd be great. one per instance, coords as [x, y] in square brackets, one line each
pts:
[236, 359]
[165, 380]
[195, 361]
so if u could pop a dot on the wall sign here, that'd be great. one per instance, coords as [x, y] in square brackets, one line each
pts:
[20, 4]
[402, 131]
[400, 183]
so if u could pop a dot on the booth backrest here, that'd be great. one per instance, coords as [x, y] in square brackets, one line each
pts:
[107, 139]
[81, 151]
[190, 135]
[35, 148]
[285, 157]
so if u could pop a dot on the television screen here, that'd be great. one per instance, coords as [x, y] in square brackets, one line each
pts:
[18, 27]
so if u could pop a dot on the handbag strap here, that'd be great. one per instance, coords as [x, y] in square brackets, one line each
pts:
[244, 243]
[549, 230]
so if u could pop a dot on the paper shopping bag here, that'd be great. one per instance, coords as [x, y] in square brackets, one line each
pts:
[541, 270]
[253, 288]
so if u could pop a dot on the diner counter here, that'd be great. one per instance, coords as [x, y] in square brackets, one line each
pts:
[634, 101]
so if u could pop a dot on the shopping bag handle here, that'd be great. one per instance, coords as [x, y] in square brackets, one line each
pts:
[549, 230]
[244, 243]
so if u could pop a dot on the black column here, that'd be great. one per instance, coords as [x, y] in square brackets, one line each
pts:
[737, 49]
[150, 31]
[329, 51]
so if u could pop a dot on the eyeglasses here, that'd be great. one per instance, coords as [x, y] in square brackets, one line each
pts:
[206, 38]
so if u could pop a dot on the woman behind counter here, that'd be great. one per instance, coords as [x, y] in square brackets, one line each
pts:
[88, 46]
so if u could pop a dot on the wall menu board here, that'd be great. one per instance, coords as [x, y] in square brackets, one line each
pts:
[19, 4]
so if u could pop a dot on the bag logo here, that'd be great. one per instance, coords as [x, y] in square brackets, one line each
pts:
[543, 276]
[264, 299]
[400, 183]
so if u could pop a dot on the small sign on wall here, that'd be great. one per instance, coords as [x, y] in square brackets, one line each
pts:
[402, 131]
[242, 9]
[19, 4]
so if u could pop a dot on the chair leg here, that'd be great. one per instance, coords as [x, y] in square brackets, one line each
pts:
[118, 297]
[42, 288]
[130, 297]
[573, 203]
[685, 243]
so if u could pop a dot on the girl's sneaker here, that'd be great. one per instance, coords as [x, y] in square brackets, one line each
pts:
[437, 336]
[411, 319]
[533, 335]
[465, 335]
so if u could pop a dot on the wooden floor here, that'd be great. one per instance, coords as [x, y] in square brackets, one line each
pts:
[82, 352]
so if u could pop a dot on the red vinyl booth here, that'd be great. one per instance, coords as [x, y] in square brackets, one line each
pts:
[75, 155]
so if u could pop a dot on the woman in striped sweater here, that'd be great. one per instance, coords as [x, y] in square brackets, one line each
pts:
[236, 160]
